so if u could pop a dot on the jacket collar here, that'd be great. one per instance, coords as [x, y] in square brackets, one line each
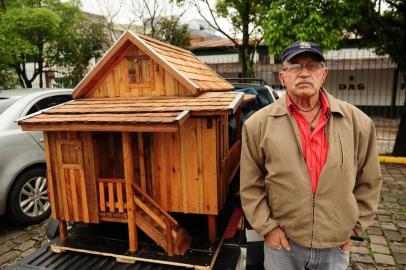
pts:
[280, 107]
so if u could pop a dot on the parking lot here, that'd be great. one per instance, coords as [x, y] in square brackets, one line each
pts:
[385, 247]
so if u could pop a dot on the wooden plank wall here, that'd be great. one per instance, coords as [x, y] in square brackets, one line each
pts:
[223, 147]
[165, 153]
[142, 161]
[185, 168]
[109, 155]
[136, 74]
[71, 162]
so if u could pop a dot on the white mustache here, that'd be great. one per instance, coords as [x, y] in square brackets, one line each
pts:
[304, 82]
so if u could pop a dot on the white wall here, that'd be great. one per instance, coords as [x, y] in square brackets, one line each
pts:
[30, 71]
[223, 58]
[365, 87]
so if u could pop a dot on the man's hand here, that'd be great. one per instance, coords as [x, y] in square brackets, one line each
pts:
[276, 239]
[348, 244]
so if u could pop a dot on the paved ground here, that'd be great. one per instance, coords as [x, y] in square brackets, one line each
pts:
[17, 243]
[385, 247]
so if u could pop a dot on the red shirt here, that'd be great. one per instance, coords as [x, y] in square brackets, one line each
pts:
[314, 144]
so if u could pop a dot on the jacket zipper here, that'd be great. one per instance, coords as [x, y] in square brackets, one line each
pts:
[313, 194]
[301, 151]
[314, 206]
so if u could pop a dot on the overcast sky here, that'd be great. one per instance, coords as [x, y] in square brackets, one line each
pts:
[125, 12]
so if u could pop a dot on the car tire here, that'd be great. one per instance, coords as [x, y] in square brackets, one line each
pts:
[28, 198]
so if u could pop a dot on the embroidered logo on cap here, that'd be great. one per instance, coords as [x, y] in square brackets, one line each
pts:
[304, 44]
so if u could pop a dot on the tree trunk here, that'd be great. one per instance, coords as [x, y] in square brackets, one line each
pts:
[40, 71]
[41, 64]
[244, 49]
[22, 76]
[400, 144]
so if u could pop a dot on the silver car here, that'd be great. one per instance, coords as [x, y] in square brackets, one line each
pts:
[23, 191]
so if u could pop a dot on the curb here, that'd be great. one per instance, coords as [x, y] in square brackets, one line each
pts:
[389, 159]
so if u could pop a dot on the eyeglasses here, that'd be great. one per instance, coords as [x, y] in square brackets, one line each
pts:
[312, 66]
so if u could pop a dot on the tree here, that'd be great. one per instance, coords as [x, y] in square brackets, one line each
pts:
[87, 41]
[8, 78]
[171, 32]
[385, 30]
[245, 16]
[323, 22]
[23, 35]
[161, 20]
[45, 33]
[111, 13]
[149, 14]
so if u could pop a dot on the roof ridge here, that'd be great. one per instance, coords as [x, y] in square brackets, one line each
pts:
[153, 40]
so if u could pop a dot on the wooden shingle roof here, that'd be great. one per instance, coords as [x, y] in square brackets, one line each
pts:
[191, 72]
[147, 114]
[189, 65]
[134, 122]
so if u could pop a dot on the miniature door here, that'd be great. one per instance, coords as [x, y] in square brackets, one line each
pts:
[71, 181]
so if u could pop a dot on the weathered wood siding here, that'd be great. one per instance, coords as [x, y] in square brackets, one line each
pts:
[185, 168]
[222, 158]
[135, 74]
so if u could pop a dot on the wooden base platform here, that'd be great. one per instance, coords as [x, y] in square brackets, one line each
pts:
[201, 256]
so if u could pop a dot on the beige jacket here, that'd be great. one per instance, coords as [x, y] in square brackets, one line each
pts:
[275, 185]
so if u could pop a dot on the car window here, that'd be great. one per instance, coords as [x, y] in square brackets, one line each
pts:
[48, 102]
[275, 95]
[5, 103]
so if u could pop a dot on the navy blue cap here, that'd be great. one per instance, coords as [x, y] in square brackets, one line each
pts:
[300, 47]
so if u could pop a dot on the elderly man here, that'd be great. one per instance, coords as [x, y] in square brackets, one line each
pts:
[310, 174]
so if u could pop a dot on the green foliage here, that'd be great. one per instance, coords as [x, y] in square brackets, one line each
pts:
[8, 78]
[47, 33]
[246, 17]
[88, 41]
[170, 31]
[24, 31]
[241, 12]
[320, 21]
[385, 31]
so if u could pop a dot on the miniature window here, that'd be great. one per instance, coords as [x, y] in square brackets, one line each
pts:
[139, 70]
[131, 72]
[72, 154]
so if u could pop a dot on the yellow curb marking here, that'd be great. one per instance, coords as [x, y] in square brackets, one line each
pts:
[388, 159]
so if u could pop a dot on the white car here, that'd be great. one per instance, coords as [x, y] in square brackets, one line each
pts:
[23, 191]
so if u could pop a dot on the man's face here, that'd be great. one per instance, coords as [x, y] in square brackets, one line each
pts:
[303, 76]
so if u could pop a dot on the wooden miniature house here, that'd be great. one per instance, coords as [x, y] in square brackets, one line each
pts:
[145, 136]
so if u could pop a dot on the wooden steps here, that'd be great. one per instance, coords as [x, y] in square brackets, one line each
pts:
[150, 217]
[159, 225]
